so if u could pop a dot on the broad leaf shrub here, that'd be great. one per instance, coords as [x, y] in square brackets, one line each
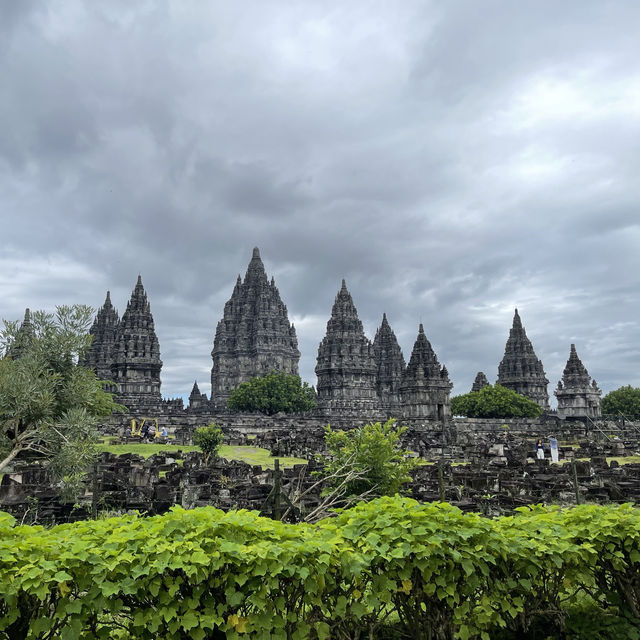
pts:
[391, 566]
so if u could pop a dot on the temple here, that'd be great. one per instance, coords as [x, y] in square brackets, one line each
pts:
[99, 357]
[136, 360]
[480, 382]
[520, 368]
[254, 336]
[356, 378]
[425, 386]
[345, 367]
[578, 396]
[24, 337]
[390, 366]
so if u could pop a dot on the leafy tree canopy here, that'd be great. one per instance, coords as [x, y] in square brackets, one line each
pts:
[274, 393]
[367, 461]
[49, 405]
[625, 401]
[209, 439]
[494, 402]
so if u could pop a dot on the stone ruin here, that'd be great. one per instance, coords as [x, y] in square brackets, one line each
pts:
[356, 377]
[480, 466]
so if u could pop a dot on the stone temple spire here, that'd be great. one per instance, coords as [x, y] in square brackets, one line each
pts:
[390, 366]
[345, 367]
[520, 369]
[136, 355]
[425, 384]
[24, 337]
[197, 400]
[254, 336]
[578, 396]
[480, 382]
[99, 357]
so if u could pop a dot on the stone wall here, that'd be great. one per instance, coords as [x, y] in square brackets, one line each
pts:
[499, 473]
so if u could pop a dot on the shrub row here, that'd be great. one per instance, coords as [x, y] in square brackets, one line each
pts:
[426, 571]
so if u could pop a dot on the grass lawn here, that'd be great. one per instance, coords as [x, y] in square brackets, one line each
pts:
[251, 455]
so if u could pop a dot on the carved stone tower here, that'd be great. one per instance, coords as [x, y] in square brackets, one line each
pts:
[99, 357]
[390, 364]
[345, 367]
[24, 337]
[480, 382]
[520, 369]
[254, 337]
[136, 355]
[425, 384]
[197, 400]
[578, 396]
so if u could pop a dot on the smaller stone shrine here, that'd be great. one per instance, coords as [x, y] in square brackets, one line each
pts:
[480, 382]
[578, 396]
[425, 384]
[24, 337]
[390, 362]
[99, 357]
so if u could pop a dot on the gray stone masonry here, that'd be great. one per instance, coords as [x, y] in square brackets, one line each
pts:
[480, 382]
[425, 384]
[346, 368]
[24, 336]
[99, 357]
[520, 369]
[578, 396]
[390, 363]
[254, 336]
[136, 356]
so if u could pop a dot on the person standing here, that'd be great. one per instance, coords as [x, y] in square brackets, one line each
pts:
[553, 446]
[540, 450]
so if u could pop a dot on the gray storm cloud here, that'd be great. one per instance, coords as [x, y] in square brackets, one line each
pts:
[450, 160]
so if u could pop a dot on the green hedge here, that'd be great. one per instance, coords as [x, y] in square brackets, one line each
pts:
[391, 566]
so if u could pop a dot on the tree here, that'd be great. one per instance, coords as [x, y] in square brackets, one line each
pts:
[209, 439]
[49, 405]
[494, 402]
[362, 464]
[274, 393]
[625, 401]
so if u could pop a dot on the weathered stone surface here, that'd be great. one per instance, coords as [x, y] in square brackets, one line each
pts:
[24, 336]
[99, 357]
[578, 396]
[197, 400]
[254, 336]
[390, 366]
[425, 386]
[480, 382]
[520, 369]
[346, 368]
[136, 355]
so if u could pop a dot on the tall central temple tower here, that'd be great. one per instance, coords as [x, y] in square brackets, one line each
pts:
[254, 337]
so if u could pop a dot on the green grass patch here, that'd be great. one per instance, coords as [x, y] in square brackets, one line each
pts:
[625, 459]
[250, 455]
[256, 456]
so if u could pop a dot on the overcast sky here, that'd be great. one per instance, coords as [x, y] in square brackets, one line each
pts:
[450, 160]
